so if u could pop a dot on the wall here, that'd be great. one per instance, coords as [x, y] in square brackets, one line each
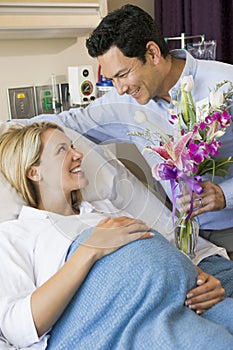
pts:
[31, 62]
[147, 5]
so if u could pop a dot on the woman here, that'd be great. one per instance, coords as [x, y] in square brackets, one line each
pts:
[38, 283]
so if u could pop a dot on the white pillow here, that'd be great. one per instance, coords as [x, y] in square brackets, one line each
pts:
[108, 179]
[10, 201]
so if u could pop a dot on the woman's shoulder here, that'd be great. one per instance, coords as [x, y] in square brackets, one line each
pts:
[26, 225]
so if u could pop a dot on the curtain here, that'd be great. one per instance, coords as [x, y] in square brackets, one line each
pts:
[197, 17]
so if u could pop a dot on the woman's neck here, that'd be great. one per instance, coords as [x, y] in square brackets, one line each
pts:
[57, 204]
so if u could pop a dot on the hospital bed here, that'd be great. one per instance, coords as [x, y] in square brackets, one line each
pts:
[108, 179]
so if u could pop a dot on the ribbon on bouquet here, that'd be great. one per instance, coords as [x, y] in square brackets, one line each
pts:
[177, 179]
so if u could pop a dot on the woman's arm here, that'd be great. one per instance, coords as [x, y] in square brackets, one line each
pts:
[49, 301]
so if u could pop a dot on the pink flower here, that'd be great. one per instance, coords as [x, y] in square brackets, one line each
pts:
[172, 151]
[173, 154]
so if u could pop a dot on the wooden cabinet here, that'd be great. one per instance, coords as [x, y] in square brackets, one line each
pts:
[49, 19]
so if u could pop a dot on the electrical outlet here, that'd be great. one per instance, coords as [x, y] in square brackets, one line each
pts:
[21, 102]
[44, 100]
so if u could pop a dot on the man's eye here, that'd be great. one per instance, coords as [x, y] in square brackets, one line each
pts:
[123, 75]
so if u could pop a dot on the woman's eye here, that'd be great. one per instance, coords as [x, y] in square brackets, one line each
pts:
[61, 149]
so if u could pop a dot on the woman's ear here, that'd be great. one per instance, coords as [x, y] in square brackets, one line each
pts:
[34, 174]
[153, 51]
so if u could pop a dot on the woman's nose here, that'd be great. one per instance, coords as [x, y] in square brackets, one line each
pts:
[76, 154]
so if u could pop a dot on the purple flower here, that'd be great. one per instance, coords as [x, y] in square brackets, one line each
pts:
[225, 119]
[174, 119]
[210, 119]
[202, 125]
[198, 152]
[212, 147]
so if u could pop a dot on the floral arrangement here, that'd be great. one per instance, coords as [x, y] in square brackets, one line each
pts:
[193, 149]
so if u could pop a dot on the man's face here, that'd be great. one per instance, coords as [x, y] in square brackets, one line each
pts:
[130, 75]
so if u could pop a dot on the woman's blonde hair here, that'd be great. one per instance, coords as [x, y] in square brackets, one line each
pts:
[20, 149]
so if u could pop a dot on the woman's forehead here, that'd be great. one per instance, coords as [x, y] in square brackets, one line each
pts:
[53, 137]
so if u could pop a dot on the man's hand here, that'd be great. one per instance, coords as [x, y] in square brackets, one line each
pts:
[208, 292]
[211, 199]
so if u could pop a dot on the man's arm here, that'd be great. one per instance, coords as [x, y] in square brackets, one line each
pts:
[208, 292]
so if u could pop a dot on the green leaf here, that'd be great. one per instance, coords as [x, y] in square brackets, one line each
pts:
[215, 166]
[221, 172]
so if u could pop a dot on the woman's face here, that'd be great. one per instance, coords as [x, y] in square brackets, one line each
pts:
[60, 163]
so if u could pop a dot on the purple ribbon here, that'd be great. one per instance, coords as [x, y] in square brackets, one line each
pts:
[192, 184]
[169, 172]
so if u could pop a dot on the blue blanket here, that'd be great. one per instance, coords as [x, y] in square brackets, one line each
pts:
[134, 298]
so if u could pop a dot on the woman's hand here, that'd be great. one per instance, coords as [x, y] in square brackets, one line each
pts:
[208, 292]
[112, 233]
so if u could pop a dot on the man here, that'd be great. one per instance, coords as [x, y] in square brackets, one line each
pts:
[146, 76]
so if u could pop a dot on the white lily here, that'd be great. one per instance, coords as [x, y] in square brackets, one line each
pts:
[187, 83]
[216, 98]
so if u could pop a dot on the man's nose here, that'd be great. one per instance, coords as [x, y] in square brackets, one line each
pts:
[121, 87]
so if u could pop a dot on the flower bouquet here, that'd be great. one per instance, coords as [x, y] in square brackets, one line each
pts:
[191, 151]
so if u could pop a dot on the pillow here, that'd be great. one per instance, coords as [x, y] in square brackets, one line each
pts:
[108, 179]
[10, 200]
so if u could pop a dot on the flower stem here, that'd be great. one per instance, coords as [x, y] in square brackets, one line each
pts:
[185, 234]
[164, 135]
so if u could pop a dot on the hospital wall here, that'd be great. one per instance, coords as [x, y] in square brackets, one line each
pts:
[31, 62]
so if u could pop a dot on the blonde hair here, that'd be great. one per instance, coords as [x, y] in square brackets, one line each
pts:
[20, 149]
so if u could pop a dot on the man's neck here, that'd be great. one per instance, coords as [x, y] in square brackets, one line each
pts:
[174, 70]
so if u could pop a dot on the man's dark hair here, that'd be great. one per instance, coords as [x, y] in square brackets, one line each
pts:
[129, 28]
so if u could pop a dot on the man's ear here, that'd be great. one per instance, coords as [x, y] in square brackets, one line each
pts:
[153, 51]
[34, 174]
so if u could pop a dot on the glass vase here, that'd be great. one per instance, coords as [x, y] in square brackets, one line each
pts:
[186, 235]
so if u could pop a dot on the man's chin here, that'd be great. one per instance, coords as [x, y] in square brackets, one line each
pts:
[142, 101]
